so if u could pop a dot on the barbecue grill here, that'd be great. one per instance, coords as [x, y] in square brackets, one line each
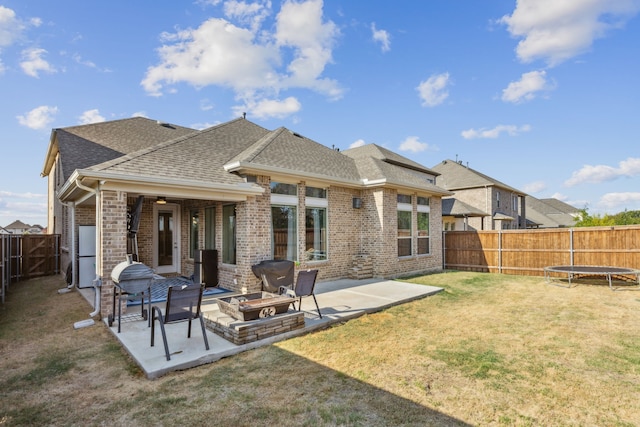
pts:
[132, 280]
[274, 274]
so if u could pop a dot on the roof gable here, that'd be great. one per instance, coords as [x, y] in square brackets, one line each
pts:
[377, 152]
[283, 149]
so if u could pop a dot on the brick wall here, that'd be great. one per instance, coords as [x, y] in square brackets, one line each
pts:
[113, 241]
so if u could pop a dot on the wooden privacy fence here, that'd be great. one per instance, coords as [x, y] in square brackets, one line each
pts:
[528, 252]
[27, 256]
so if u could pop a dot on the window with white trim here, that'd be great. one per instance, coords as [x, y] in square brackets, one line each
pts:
[405, 220]
[423, 225]
[284, 221]
[316, 224]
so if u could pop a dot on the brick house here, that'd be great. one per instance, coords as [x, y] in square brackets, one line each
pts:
[492, 205]
[249, 193]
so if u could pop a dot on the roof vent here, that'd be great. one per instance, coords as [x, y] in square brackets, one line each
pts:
[165, 124]
[296, 134]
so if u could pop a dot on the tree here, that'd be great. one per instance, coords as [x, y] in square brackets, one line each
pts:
[622, 218]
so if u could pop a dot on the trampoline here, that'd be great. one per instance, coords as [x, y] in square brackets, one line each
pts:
[577, 271]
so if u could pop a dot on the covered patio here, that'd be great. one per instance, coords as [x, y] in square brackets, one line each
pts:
[338, 300]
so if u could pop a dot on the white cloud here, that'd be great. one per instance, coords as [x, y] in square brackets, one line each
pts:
[11, 27]
[555, 30]
[413, 144]
[140, 114]
[560, 196]
[265, 108]
[251, 14]
[216, 53]
[250, 59]
[619, 201]
[300, 27]
[33, 62]
[433, 91]
[601, 173]
[39, 117]
[510, 130]
[382, 37]
[29, 208]
[201, 126]
[357, 143]
[527, 87]
[91, 116]
[534, 187]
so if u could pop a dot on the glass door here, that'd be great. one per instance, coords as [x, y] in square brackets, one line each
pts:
[166, 239]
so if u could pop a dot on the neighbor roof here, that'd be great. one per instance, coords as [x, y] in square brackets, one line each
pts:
[546, 215]
[457, 208]
[456, 176]
[561, 206]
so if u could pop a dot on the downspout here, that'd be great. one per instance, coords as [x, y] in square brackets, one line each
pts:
[97, 281]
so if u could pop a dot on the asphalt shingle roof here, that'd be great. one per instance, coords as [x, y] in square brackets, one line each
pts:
[456, 176]
[188, 155]
[454, 207]
[197, 156]
[83, 146]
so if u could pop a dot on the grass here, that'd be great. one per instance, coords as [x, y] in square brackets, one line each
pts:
[488, 350]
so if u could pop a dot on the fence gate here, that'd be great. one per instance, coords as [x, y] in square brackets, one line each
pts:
[27, 256]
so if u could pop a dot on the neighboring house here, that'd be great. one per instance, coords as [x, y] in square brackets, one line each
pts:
[456, 214]
[18, 227]
[248, 192]
[504, 206]
[36, 229]
[564, 207]
[543, 213]
[4, 231]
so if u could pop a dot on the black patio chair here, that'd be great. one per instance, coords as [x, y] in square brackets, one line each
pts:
[183, 304]
[305, 285]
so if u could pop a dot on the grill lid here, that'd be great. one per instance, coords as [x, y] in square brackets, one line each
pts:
[131, 270]
[274, 273]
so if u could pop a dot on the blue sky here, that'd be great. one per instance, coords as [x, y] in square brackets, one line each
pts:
[542, 95]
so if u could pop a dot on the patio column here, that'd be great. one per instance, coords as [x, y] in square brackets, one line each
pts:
[112, 213]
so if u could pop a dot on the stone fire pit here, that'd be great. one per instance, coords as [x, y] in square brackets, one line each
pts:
[252, 317]
[254, 306]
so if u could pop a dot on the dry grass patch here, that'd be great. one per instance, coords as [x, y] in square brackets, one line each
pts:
[489, 350]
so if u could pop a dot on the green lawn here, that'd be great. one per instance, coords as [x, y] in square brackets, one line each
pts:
[489, 350]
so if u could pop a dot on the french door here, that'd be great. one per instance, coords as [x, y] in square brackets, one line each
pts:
[166, 239]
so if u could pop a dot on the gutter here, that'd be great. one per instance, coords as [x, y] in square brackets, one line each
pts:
[97, 281]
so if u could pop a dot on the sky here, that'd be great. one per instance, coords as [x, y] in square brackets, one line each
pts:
[542, 95]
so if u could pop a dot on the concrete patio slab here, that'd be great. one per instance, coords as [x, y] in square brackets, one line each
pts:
[339, 300]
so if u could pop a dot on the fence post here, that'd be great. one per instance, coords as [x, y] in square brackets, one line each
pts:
[571, 249]
[500, 251]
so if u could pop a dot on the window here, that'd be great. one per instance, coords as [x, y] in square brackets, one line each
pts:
[423, 225]
[404, 233]
[404, 225]
[285, 189]
[515, 203]
[315, 192]
[423, 233]
[404, 198]
[284, 221]
[316, 224]
[497, 199]
[229, 234]
[194, 227]
[210, 228]
[284, 236]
